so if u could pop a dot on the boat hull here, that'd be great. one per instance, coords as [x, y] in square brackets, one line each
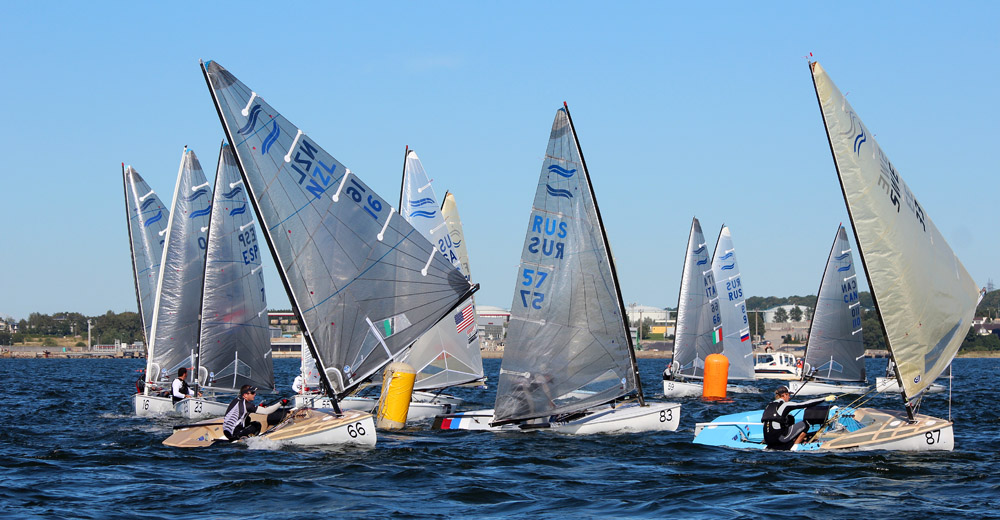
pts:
[152, 405]
[302, 427]
[821, 388]
[200, 408]
[696, 389]
[418, 411]
[862, 429]
[625, 418]
[887, 385]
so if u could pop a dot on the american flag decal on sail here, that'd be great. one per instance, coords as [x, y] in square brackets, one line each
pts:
[464, 318]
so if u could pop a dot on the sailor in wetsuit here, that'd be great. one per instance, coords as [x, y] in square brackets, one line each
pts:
[238, 424]
[179, 389]
[781, 432]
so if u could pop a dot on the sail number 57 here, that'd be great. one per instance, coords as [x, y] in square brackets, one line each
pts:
[533, 279]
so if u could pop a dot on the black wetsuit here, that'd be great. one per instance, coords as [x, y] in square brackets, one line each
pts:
[780, 428]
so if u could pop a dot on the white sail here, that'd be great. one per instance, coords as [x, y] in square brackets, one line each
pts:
[363, 283]
[174, 336]
[448, 354]
[923, 294]
[836, 350]
[737, 346]
[235, 343]
[698, 315]
[449, 210]
[147, 225]
[567, 330]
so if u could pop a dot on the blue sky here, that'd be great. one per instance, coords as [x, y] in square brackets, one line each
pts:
[682, 110]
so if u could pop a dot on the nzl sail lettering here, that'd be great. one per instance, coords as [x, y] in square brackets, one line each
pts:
[549, 230]
[306, 165]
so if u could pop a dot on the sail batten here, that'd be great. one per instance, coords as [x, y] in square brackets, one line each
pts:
[924, 296]
[567, 346]
[338, 275]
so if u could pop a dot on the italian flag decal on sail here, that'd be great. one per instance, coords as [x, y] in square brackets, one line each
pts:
[717, 336]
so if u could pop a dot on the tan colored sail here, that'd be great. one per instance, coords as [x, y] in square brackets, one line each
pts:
[925, 297]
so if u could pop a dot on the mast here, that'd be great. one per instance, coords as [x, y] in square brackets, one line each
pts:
[809, 333]
[402, 182]
[611, 260]
[324, 379]
[861, 251]
[131, 248]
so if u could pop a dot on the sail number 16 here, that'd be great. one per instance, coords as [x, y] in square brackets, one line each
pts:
[533, 278]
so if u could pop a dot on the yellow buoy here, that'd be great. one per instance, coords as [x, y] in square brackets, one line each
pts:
[397, 390]
[716, 377]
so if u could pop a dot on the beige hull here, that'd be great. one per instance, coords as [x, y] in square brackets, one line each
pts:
[890, 430]
[303, 426]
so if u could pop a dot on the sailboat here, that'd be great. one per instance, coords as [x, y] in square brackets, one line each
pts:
[174, 330]
[834, 361]
[735, 329]
[234, 346]
[146, 217]
[569, 361]
[698, 321]
[924, 297]
[363, 283]
[449, 353]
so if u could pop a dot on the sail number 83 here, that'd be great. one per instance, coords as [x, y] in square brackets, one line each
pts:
[533, 279]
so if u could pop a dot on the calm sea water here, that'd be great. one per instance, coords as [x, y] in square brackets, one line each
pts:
[70, 448]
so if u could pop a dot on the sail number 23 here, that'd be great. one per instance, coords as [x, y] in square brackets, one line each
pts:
[533, 279]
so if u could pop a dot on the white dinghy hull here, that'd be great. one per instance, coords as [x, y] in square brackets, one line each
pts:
[200, 408]
[822, 388]
[627, 418]
[147, 405]
[418, 411]
[302, 427]
[682, 388]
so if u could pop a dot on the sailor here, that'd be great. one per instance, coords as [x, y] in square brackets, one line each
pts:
[781, 432]
[237, 423]
[298, 386]
[180, 388]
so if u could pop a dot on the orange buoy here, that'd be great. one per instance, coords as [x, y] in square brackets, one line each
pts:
[716, 377]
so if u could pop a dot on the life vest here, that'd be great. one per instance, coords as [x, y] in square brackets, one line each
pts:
[775, 424]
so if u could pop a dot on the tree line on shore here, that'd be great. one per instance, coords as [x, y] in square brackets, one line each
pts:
[127, 327]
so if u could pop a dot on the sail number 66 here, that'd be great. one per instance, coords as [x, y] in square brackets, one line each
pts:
[355, 430]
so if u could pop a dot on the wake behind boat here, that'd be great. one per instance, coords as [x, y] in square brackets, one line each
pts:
[923, 295]
[569, 361]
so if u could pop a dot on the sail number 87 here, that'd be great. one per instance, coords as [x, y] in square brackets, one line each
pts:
[533, 278]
